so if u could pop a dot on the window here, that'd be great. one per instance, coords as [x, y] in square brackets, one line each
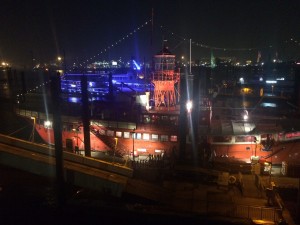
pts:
[118, 134]
[174, 120]
[165, 119]
[146, 136]
[138, 136]
[102, 132]
[154, 137]
[164, 138]
[173, 138]
[146, 119]
[126, 134]
[110, 133]
[244, 139]
[155, 119]
[221, 139]
[142, 150]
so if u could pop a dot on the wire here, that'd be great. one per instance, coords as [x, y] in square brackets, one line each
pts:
[114, 44]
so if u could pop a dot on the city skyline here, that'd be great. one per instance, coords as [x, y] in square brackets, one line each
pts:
[89, 31]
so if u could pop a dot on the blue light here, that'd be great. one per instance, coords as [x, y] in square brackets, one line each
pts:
[73, 99]
[136, 65]
[98, 84]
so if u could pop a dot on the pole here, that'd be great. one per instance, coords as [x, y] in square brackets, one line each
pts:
[190, 56]
[77, 138]
[270, 178]
[33, 128]
[182, 117]
[85, 116]
[56, 104]
[133, 136]
[65, 65]
[115, 148]
[298, 202]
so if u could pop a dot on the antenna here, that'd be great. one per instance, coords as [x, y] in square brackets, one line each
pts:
[190, 56]
[152, 23]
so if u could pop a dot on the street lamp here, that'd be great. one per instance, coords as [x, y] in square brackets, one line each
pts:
[59, 64]
[189, 106]
[32, 133]
[48, 124]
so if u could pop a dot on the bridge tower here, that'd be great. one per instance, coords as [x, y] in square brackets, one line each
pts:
[165, 78]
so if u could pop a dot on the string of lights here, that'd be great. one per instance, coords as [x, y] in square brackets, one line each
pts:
[85, 62]
[177, 37]
[33, 90]
[293, 40]
[199, 44]
[181, 40]
[115, 44]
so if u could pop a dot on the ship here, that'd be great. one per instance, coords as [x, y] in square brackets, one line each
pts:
[267, 142]
[151, 120]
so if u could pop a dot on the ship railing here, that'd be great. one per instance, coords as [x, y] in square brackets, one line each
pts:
[44, 116]
[118, 150]
[153, 162]
[162, 127]
[106, 124]
[257, 212]
[26, 113]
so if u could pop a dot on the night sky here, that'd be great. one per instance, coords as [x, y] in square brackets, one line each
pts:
[82, 30]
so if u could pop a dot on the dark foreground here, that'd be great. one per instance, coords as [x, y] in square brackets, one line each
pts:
[30, 199]
[26, 198]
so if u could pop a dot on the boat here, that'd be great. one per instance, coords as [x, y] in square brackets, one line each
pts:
[125, 80]
[265, 142]
[141, 129]
[148, 122]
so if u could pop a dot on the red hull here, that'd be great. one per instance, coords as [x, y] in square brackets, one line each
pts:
[285, 149]
[282, 151]
[125, 145]
[77, 138]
